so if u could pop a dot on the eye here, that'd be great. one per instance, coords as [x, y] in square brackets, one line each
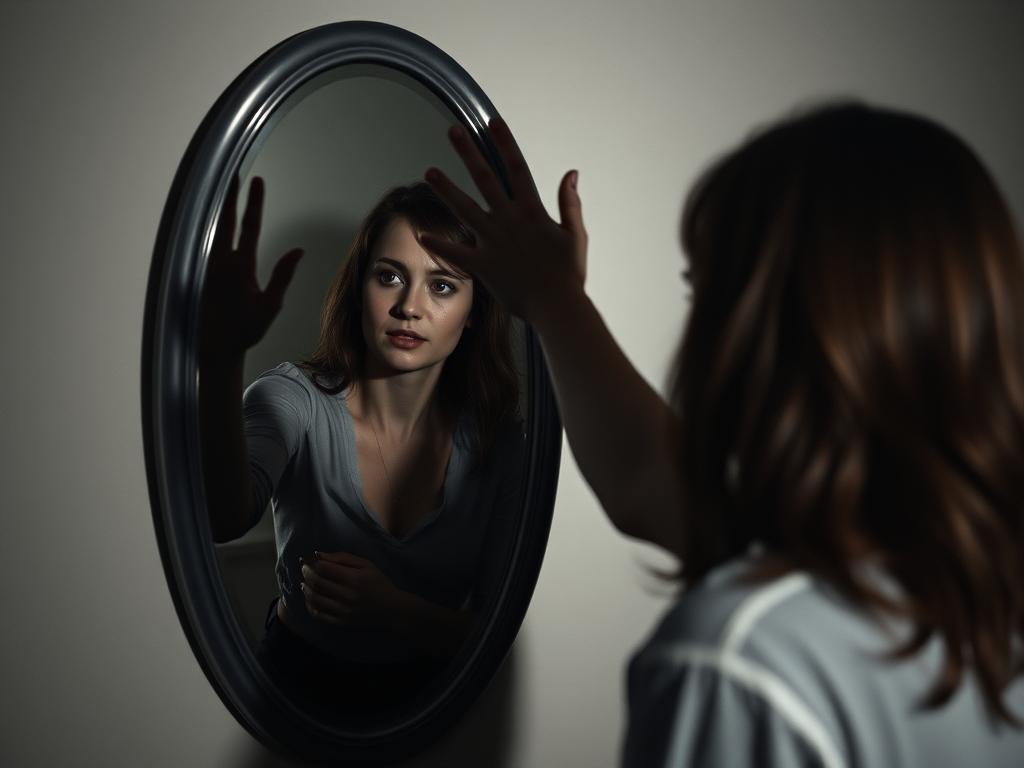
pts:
[388, 277]
[443, 288]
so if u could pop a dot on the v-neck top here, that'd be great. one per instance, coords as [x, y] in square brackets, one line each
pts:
[302, 460]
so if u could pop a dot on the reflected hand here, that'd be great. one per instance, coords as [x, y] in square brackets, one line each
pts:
[522, 255]
[341, 588]
[236, 313]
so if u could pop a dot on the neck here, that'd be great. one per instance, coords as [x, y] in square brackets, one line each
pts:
[397, 406]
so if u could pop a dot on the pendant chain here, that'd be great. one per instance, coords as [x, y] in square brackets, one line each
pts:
[387, 475]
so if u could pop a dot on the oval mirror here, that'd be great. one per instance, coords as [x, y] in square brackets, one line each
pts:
[391, 572]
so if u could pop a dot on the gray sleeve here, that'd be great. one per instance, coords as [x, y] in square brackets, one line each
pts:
[276, 412]
[684, 715]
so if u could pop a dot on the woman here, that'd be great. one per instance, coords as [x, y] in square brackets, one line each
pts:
[391, 457]
[840, 468]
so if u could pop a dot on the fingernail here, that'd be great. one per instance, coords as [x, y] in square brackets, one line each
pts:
[575, 177]
[432, 174]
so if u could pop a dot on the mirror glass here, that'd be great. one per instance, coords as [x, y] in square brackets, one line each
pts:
[414, 537]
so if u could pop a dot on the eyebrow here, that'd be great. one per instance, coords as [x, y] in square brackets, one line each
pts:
[433, 272]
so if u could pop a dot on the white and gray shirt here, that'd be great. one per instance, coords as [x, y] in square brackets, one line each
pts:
[788, 673]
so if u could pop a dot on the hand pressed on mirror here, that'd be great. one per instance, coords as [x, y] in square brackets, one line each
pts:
[538, 267]
[522, 254]
[235, 313]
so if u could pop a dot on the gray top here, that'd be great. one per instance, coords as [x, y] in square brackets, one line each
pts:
[302, 459]
[786, 673]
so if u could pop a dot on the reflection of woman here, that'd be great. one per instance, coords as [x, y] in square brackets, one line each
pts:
[840, 472]
[389, 457]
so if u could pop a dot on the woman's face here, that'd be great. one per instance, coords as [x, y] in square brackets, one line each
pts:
[414, 308]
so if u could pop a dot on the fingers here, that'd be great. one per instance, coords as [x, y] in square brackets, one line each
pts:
[462, 256]
[327, 585]
[569, 204]
[324, 608]
[519, 177]
[282, 276]
[251, 219]
[461, 204]
[332, 590]
[481, 171]
[342, 558]
[330, 584]
[224, 236]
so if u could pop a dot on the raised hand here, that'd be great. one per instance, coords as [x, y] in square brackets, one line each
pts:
[235, 312]
[622, 434]
[524, 257]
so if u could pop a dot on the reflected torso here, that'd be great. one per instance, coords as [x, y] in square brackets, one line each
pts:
[308, 449]
[402, 479]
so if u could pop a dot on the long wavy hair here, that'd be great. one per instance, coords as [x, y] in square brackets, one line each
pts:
[479, 375]
[851, 378]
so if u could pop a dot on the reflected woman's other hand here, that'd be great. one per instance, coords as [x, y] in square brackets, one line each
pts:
[527, 259]
[236, 313]
[342, 588]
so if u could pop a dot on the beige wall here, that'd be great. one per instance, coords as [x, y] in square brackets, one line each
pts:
[100, 101]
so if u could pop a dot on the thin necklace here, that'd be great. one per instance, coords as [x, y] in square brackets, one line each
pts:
[387, 476]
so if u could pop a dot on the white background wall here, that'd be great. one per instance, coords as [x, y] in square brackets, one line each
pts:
[99, 102]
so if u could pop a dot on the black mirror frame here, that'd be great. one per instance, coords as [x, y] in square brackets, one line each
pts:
[169, 404]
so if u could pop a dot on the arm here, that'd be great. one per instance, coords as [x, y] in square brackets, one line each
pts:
[225, 456]
[619, 429]
[235, 315]
[341, 588]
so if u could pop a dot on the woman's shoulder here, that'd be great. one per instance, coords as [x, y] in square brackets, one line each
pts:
[723, 609]
[727, 654]
[294, 376]
[285, 384]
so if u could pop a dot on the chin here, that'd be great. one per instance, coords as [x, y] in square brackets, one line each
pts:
[405, 362]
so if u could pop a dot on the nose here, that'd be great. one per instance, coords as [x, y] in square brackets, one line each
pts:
[408, 306]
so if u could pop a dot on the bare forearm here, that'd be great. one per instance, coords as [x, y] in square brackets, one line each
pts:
[620, 430]
[224, 454]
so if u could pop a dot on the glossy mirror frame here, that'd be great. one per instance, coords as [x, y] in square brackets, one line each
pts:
[169, 405]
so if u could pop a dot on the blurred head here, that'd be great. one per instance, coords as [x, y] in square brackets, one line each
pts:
[387, 284]
[851, 379]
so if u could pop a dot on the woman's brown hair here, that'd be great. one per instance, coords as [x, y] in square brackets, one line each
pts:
[479, 375]
[851, 379]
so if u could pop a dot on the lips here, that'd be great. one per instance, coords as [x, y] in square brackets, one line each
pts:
[404, 334]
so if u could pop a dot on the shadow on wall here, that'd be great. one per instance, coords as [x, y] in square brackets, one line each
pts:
[484, 736]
